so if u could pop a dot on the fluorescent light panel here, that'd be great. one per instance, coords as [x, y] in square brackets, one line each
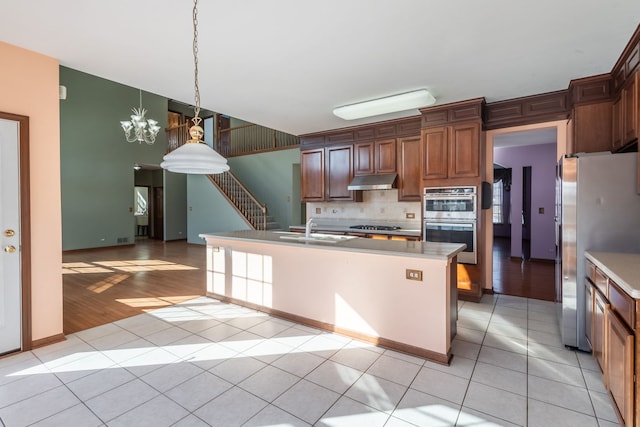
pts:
[390, 104]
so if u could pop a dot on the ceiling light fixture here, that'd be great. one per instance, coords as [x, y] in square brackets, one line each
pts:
[390, 104]
[144, 130]
[195, 156]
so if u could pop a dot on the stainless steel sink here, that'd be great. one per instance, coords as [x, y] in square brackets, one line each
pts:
[316, 237]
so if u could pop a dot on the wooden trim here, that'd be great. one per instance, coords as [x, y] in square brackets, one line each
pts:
[628, 60]
[545, 107]
[379, 341]
[48, 341]
[588, 90]
[25, 225]
[72, 251]
[368, 132]
[288, 147]
[454, 112]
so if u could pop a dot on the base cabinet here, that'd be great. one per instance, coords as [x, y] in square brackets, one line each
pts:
[613, 342]
[620, 365]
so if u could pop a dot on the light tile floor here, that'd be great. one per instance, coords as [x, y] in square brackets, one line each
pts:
[204, 362]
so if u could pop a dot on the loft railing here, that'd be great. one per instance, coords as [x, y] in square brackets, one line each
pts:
[251, 138]
[177, 136]
[254, 212]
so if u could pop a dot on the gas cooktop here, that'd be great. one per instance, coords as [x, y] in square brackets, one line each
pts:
[376, 227]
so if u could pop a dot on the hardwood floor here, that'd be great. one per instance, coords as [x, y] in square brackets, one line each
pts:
[104, 285]
[518, 277]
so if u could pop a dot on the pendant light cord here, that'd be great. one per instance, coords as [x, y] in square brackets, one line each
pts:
[196, 119]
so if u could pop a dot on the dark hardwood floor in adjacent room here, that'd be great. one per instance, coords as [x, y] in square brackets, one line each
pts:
[519, 277]
[104, 285]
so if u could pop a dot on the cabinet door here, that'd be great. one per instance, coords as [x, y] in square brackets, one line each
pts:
[338, 172]
[363, 158]
[592, 127]
[434, 152]
[630, 110]
[312, 175]
[385, 156]
[598, 330]
[409, 182]
[619, 366]
[588, 302]
[464, 151]
[617, 125]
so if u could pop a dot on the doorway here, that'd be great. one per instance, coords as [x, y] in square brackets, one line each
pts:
[15, 257]
[523, 249]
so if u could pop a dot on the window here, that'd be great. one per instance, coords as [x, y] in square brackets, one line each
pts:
[498, 198]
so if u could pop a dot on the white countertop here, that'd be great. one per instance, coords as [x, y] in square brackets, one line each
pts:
[622, 268]
[430, 250]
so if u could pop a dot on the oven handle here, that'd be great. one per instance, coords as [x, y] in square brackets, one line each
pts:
[465, 224]
[449, 197]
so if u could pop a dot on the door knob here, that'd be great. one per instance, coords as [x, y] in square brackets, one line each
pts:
[10, 249]
[9, 233]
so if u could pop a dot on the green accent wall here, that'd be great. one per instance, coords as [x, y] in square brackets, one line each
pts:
[274, 180]
[97, 176]
[208, 210]
[175, 206]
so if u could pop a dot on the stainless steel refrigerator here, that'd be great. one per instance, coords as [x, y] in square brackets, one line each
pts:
[597, 208]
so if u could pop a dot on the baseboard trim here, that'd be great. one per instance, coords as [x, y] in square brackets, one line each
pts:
[47, 341]
[433, 356]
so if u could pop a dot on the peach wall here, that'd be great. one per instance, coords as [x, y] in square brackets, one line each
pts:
[29, 87]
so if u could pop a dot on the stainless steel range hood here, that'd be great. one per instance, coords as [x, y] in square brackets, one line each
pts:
[373, 182]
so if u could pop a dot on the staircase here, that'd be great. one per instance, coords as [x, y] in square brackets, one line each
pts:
[252, 211]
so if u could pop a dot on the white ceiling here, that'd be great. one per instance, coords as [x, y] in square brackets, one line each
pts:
[286, 64]
[527, 137]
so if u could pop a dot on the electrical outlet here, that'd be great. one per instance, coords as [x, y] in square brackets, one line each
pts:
[414, 274]
[540, 210]
[411, 215]
[318, 211]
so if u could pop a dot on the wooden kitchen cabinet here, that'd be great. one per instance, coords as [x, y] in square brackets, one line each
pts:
[617, 125]
[600, 307]
[451, 151]
[374, 157]
[325, 174]
[409, 182]
[339, 173]
[312, 175]
[620, 365]
[588, 305]
[591, 128]
[613, 328]
[630, 117]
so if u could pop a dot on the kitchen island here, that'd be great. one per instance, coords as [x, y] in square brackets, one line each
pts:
[397, 294]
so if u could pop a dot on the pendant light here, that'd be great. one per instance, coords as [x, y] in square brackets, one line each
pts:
[195, 156]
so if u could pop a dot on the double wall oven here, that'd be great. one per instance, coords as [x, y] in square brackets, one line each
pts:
[451, 215]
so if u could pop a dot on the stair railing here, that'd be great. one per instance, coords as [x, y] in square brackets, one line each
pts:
[253, 212]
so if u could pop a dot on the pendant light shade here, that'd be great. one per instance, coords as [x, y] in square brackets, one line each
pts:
[196, 158]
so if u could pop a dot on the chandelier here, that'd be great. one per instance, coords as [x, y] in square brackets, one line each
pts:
[195, 156]
[140, 128]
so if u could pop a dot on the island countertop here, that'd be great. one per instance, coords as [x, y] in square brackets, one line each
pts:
[430, 250]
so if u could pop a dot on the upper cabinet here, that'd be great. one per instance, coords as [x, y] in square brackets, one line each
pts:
[329, 160]
[325, 174]
[312, 175]
[374, 157]
[451, 136]
[629, 98]
[339, 173]
[409, 182]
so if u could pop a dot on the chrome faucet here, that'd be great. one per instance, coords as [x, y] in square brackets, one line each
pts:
[307, 231]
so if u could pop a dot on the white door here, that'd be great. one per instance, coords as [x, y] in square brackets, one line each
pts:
[10, 280]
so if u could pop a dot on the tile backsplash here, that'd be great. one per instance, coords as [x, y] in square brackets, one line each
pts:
[377, 206]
